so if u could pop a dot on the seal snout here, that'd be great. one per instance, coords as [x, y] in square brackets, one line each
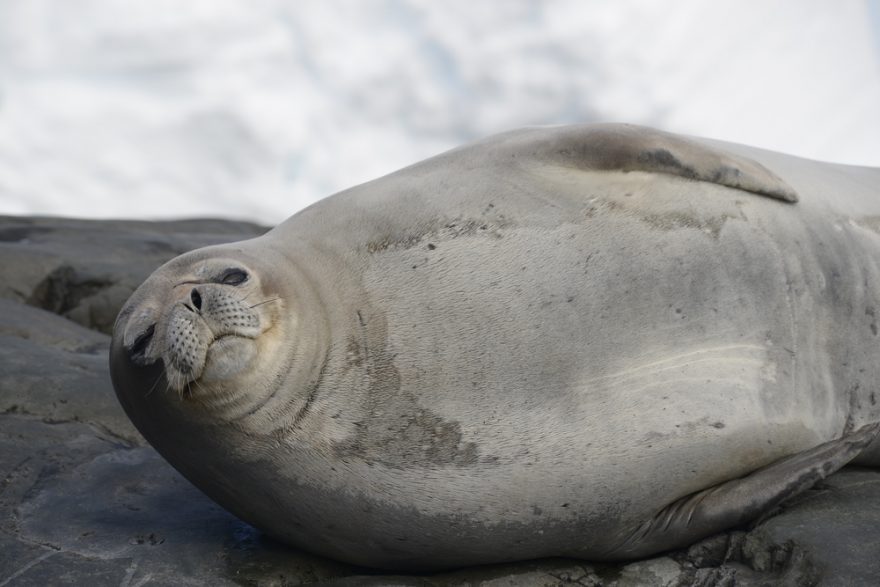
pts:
[207, 320]
[199, 320]
[186, 344]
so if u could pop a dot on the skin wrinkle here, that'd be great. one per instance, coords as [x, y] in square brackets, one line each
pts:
[653, 370]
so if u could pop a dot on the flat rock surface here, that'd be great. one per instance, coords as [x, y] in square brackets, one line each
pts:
[85, 501]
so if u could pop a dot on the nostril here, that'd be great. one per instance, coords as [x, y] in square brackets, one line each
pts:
[196, 298]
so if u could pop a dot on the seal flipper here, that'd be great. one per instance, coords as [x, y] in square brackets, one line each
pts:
[627, 147]
[738, 501]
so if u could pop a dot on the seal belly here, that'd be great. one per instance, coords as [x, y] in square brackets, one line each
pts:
[675, 345]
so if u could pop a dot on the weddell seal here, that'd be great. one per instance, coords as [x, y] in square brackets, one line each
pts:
[598, 341]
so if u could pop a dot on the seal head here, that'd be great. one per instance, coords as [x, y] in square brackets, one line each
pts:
[208, 326]
[205, 327]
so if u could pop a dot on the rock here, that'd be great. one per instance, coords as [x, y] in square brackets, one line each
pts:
[832, 528]
[129, 505]
[85, 270]
[57, 371]
[84, 500]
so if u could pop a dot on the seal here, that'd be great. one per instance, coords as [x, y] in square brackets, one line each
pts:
[594, 341]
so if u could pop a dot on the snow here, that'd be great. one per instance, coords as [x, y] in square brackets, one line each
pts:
[255, 109]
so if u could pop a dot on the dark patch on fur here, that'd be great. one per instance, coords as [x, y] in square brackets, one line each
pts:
[394, 430]
[442, 230]
[353, 357]
[389, 242]
[312, 392]
[664, 160]
[869, 312]
[666, 221]
[421, 438]
[675, 220]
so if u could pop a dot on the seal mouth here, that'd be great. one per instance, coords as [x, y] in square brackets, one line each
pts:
[226, 356]
[220, 339]
[223, 357]
[209, 336]
[224, 342]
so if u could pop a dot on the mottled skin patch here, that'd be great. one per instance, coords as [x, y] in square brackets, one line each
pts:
[673, 221]
[441, 229]
[394, 429]
[403, 439]
[670, 220]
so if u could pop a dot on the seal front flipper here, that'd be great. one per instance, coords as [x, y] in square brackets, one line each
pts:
[627, 147]
[738, 501]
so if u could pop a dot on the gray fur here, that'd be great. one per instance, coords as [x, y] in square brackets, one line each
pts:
[530, 346]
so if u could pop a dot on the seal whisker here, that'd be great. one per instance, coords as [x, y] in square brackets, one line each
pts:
[199, 387]
[167, 386]
[153, 387]
[265, 302]
[175, 383]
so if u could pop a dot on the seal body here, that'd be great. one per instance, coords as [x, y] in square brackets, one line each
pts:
[592, 341]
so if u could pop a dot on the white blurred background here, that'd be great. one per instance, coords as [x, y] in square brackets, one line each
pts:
[254, 109]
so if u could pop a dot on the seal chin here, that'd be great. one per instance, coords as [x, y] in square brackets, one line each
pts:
[223, 358]
[227, 356]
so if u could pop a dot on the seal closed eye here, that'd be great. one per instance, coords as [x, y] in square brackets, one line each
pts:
[233, 277]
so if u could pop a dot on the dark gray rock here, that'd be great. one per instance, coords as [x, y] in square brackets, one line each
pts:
[85, 269]
[84, 500]
[129, 505]
[834, 526]
[57, 371]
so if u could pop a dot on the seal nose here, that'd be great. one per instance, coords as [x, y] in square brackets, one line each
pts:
[196, 298]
